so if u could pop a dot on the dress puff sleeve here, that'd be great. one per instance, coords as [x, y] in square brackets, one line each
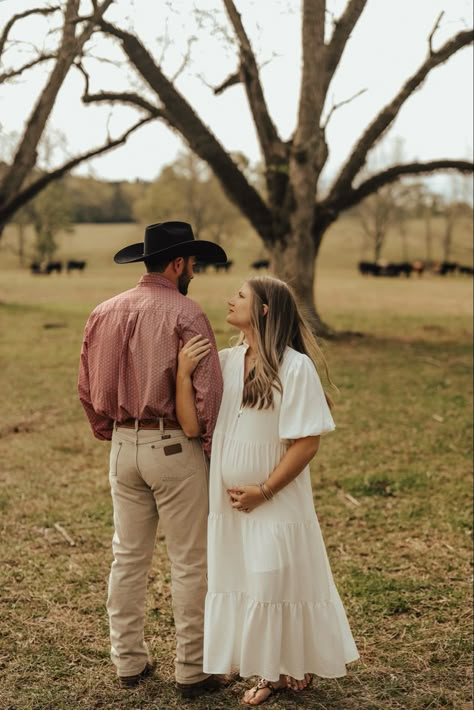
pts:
[304, 410]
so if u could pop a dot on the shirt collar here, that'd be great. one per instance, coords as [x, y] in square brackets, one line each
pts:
[156, 280]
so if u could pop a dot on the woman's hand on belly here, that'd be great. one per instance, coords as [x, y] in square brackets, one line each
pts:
[244, 499]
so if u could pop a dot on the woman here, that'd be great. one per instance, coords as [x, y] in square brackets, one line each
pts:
[272, 608]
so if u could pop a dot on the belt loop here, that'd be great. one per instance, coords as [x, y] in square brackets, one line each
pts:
[162, 425]
[136, 424]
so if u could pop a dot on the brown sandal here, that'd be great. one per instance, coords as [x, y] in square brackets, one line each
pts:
[263, 684]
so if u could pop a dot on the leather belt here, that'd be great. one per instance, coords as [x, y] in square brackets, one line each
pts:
[149, 423]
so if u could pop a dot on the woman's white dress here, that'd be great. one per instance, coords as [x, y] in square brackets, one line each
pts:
[272, 606]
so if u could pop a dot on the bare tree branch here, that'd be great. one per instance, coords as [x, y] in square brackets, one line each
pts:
[127, 98]
[29, 192]
[312, 94]
[388, 114]
[20, 16]
[334, 107]
[232, 80]
[80, 66]
[342, 31]
[217, 29]
[375, 182]
[199, 137]
[433, 31]
[16, 72]
[69, 49]
[266, 130]
[186, 59]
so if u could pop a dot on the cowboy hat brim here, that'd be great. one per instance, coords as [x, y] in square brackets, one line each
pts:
[207, 251]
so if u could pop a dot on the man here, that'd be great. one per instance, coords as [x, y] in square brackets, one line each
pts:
[127, 388]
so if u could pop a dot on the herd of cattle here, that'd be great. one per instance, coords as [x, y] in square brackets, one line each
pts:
[407, 268]
[366, 268]
[74, 265]
[57, 267]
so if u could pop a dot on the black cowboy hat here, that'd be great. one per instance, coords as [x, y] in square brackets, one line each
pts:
[170, 239]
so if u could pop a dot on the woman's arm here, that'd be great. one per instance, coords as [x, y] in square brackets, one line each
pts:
[298, 456]
[189, 356]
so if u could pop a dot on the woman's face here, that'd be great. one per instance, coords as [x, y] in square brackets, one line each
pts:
[240, 308]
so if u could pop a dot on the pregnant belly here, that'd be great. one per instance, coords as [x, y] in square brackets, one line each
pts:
[244, 463]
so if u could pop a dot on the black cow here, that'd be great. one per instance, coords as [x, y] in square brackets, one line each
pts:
[405, 268]
[223, 266]
[260, 264]
[56, 266]
[200, 267]
[465, 270]
[369, 268]
[73, 265]
[35, 267]
[445, 267]
[391, 269]
[385, 268]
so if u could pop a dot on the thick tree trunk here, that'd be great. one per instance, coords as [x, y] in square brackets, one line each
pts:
[293, 261]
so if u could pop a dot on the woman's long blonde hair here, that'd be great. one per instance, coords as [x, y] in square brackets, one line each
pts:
[283, 326]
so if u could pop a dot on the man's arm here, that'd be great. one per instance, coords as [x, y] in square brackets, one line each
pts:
[101, 425]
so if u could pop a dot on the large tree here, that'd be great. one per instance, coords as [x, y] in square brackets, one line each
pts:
[19, 181]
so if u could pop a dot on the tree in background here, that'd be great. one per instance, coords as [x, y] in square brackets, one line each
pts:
[388, 207]
[19, 183]
[22, 218]
[293, 215]
[188, 190]
[51, 214]
[99, 201]
[455, 210]
[377, 214]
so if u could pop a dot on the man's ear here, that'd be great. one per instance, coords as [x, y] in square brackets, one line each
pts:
[178, 265]
[265, 309]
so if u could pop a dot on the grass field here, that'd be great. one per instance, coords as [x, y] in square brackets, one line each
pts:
[392, 487]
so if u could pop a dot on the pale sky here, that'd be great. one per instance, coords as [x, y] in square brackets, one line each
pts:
[388, 44]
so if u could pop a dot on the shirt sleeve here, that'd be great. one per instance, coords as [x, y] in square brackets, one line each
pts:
[207, 381]
[101, 425]
[304, 410]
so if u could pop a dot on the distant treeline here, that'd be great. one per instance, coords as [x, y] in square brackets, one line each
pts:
[92, 200]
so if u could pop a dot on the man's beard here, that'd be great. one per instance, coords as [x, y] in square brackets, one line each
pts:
[183, 283]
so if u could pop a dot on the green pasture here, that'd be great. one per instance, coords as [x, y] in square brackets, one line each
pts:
[392, 485]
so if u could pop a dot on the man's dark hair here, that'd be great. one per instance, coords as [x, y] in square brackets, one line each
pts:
[157, 265]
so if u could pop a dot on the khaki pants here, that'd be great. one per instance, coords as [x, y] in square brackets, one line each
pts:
[157, 474]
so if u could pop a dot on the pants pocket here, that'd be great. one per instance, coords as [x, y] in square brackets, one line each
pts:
[176, 459]
[115, 450]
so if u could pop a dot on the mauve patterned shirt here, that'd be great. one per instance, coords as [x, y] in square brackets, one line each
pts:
[129, 358]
